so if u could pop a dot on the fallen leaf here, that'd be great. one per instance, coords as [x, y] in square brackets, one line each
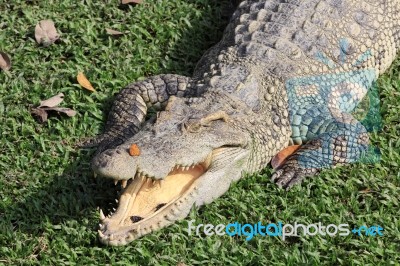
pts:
[134, 150]
[84, 82]
[50, 105]
[281, 157]
[5, 62]
[40, 113]
[46, 33]
[53, 101]
[113, 32]
[69, 112]
[43, 112]
[131, 2]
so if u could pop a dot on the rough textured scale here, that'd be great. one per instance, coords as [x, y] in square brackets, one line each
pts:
[285, 72]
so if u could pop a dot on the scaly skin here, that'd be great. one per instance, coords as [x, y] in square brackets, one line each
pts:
[285, 72]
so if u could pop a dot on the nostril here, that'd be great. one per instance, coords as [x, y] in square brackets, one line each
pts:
[118, 151]
[103, 164]
[108, 153]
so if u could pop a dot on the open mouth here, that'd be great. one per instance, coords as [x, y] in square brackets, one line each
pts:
[144, 197]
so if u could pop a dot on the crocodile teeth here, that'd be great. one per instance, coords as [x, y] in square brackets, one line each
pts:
[123, 183]
[116, 201]
[158, 182]
[115, 182]
[111, 237]
[102, 216]
[101, 233]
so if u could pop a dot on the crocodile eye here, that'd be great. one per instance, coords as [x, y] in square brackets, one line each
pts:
[191, 127]
[194, 127]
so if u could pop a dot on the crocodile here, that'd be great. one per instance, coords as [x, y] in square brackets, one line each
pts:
[285, 72]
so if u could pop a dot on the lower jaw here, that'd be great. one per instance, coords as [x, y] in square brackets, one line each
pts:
[173, 212]
[139, 211]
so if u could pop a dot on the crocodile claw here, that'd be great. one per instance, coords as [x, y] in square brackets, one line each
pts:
[289, 175]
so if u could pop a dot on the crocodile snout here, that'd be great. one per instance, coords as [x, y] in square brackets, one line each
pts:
[112, 164]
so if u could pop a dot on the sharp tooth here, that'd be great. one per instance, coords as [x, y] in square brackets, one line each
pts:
[123, 183]
[101, 233]
[116, 201]
[102, 216]
[101, 226]
[112, 237]
[115, 182]
[114, 209]
[154, 182]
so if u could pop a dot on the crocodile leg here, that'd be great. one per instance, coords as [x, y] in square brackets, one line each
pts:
[131, 104]
[347, 142]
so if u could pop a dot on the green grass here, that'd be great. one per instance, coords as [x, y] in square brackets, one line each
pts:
[49, 200]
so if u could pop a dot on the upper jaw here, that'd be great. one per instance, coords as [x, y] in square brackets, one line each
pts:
[119, 165]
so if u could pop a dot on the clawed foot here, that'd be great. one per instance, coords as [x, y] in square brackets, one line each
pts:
[291, 174]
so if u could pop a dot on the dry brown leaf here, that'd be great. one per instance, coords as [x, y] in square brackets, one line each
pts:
[131, 2]
[134, 150]
[43, 112]
[281, 157]
[40, 113]
[113, 32]
[50, 105]
[84, 82]
[69, 112]
[53, 101]
[46, 33]
[5, 62]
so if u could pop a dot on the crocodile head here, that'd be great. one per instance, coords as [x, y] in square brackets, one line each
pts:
[187, 156]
